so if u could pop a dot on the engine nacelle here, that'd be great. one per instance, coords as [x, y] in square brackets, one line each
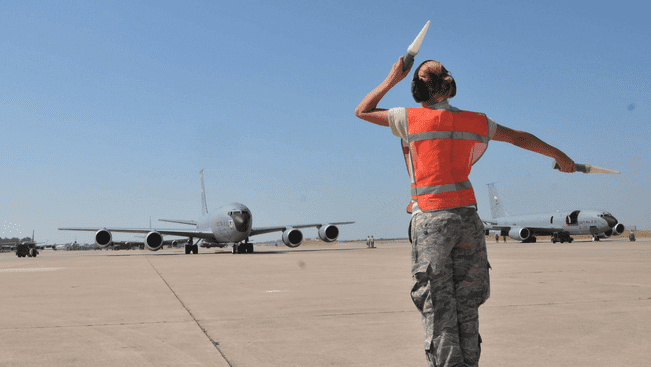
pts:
[292, 238]
[103, 238]
[606, 234]
[520, 234]
[618, 229]
[153, 241]
[328, 233]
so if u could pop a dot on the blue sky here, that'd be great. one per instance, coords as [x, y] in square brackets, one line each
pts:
[109, 109]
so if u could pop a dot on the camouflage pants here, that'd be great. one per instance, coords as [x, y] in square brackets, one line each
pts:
[450, 282]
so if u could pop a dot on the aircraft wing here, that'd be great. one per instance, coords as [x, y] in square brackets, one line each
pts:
[535, 231]
[183, 232]
[182, 221]
[262, 230]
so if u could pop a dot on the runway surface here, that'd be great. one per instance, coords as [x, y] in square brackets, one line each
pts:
[579, 304]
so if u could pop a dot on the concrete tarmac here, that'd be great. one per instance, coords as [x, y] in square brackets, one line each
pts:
[579, 304]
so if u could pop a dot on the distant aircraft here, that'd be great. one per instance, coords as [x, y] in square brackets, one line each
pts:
[24, 248]
[7, 246]
[61, 247]
[231, 224]
[65, 246]
[127, 245]
[560, 225]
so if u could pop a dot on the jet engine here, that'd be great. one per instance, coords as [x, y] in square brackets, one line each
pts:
[606, 234]
[103, 238]
[292, 238]
[153, 241]
[328, 233]
[618, 229]
[520, 234]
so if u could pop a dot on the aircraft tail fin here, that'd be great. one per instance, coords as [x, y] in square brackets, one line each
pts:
[497, 210]
[204, 206]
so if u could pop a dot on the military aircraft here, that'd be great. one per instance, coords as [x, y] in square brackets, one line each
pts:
[560, 225]
[25, 248]
[126, 245]
[230, 224]
[140, 244]
[7, 246]
[60, 247]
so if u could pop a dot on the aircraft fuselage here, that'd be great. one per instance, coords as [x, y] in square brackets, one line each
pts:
[229, 224]
[578, 222]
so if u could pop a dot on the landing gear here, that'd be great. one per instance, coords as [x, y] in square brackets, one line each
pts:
[191, 248]
[243, 248]
[595, 238]
[562, 237]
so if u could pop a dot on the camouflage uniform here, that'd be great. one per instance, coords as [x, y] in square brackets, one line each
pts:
[450, 281]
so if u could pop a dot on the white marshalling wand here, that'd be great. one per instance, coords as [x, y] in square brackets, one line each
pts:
[586, 168]
[412, 50]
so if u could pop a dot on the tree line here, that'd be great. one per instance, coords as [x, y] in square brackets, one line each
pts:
[14, 239]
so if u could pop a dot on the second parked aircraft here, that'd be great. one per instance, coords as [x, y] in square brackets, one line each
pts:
[559, 225]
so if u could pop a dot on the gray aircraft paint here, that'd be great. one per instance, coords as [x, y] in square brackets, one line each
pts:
[230, 224]
[559, 224]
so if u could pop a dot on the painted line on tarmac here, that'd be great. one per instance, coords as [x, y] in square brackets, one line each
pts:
[25, 270]
[215, 343]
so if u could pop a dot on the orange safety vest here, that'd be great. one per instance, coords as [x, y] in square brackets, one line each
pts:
[442, 146]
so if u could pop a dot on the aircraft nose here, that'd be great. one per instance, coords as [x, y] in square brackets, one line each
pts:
[242, 221]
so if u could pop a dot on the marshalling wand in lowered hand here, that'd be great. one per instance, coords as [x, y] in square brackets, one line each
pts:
[586, 168]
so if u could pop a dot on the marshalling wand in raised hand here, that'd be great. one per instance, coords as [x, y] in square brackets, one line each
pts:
[412, 50]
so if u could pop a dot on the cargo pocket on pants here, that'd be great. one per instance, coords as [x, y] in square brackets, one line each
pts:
[487, 289]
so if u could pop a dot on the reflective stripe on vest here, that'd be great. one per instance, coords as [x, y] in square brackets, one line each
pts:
[461, 135]
[439, 189]
[443, 145]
